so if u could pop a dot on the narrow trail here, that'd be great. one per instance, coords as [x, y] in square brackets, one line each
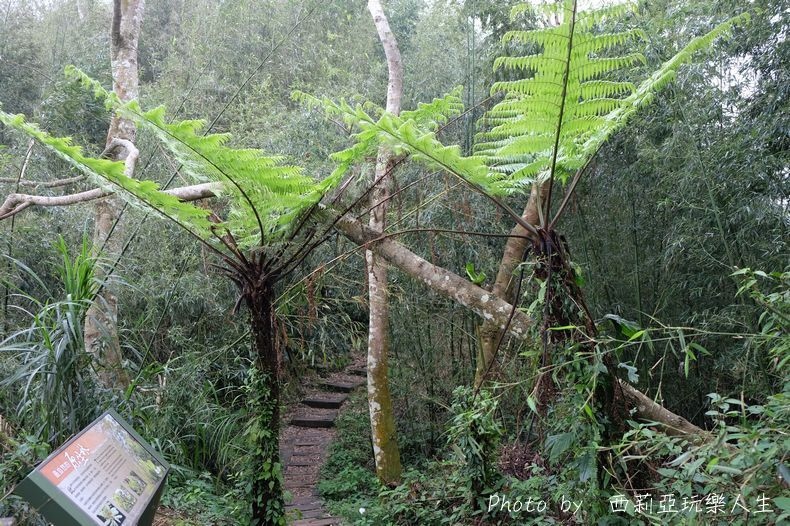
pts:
[304, 445]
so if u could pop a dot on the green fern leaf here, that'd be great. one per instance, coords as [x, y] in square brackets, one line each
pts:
[110, 175]
[568, 99]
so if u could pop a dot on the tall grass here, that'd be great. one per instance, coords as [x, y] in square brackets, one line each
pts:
[49, 380]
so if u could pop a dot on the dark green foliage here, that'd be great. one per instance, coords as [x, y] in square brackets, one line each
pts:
[18, 51]
[197, 493]
[474, 436]
[348, 479]
[19, 457]
[746, 454]
[691, 191]
[771, 293]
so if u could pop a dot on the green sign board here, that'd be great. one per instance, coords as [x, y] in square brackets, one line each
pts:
[106, 474]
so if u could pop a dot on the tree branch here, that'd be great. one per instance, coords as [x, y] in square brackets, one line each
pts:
[492, 309]
[647, 409]
[15, 203]
[437, 278]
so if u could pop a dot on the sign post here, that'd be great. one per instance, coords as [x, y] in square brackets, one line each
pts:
[106, 474]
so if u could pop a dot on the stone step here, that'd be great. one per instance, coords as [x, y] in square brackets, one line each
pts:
[297, 460]
[305, 507]
[315, 514]
[293, 481]
[325, 420]
[311, 437]
[358, 371]
[309, 446]
[325, 401]
[304, 499]
[342, 387]
[308, 470]
[312, 504]
[312, 449]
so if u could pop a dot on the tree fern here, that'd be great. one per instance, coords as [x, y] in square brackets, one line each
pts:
[553, 121]
[550, 123]
[257, 243]
[267, 194]
[111, 176]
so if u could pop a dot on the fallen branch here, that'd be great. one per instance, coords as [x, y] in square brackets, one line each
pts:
[647, 409]
[494, 310]
[439, 279]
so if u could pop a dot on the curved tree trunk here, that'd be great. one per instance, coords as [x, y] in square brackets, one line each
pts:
[382, 420]
[512, 256]
[101, 323]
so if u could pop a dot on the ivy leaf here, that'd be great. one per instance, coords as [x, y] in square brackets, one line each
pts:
[626, 328]
[532, 404]
[783, 503]
[586, 466]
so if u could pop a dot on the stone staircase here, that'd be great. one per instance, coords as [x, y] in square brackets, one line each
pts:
[304, 445]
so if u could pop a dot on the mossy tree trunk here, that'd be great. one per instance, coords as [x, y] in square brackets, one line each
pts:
[382, 419]
[490, 332]
[101, 323]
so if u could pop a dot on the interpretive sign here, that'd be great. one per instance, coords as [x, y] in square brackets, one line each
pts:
[106, 474]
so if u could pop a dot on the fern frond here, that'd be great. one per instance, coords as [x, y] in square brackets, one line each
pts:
[647, 89]
[110, 176]
[556, 117]
[365, 145]
[426, 117]
[556, 107]
[266, 194]
[405, 134]
[437, 112]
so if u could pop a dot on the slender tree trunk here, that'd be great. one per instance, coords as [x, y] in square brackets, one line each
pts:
[382, 420]
[503, 287]
[268, 507]
[101, 324]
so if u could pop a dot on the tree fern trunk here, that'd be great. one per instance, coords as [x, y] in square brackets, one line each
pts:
[268, 507]
[382, 420]
[101, 323]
